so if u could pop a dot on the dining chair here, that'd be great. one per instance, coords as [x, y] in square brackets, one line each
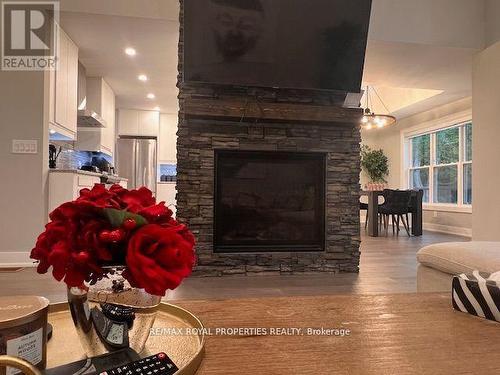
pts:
[364, 206]
[397, 206]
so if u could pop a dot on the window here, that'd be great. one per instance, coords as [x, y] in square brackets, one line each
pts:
[440, 163]
[420, 162]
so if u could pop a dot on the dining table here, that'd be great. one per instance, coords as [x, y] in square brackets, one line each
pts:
[376, 198]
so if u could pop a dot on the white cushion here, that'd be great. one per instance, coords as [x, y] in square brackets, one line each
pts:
[461, 257]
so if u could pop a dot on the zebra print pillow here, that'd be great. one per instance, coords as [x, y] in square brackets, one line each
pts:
[477, 294]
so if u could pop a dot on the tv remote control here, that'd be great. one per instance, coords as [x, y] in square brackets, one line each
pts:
[159, 364]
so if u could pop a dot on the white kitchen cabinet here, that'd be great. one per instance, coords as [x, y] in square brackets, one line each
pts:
[128, 122]
[109, 113]
[61, 92]
[64, 88]
[167, 140]
[72, 79]
[138, 123]
[166, 192]
[101, 98]
[65, 186]
[149, 123]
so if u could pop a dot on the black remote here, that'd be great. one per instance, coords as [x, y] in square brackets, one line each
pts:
[159, 364]
[95, 365]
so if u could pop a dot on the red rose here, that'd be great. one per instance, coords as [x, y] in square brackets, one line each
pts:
[100, 197]
[71, 250]
[93, 231]
[159, 257]
[71, 210]
[157, 214]
[117, 197]
[71, 243]
[134, 200]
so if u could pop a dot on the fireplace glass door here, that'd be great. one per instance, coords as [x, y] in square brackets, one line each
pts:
[269, 201]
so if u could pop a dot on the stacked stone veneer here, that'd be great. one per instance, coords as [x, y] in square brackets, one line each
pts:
[198, 138]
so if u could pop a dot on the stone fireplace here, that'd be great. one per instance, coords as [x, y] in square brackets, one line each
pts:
[269, 201]
[268, 179]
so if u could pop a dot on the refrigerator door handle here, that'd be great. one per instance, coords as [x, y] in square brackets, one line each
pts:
[137, 180]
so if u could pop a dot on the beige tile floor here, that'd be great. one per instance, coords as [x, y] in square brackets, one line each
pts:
[388, 265]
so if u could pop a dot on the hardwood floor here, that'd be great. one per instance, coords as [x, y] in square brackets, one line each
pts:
[388, 265]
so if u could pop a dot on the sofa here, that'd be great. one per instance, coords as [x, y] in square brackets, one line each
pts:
[438, 263]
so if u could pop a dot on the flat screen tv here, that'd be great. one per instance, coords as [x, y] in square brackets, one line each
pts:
[299, 44]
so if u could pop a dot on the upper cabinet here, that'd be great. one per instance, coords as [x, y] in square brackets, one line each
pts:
[101, 98]
[128, 122]
[167, 145]
[149, 123]
[64, 88]
[138, 123]
[109, 114]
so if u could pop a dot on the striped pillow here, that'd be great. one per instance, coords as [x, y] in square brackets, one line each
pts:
[477, 294]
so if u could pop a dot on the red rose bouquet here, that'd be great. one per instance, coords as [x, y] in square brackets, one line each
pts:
[112, 227]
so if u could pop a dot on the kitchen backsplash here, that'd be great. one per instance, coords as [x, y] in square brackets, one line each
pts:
[69, 158]
[167, 172]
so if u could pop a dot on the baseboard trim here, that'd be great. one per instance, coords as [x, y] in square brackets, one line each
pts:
[464, 232]
[15, 259]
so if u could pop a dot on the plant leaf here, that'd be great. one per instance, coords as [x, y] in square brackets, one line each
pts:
[117, 217]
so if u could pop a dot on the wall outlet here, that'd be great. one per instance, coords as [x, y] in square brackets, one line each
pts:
[24, 146]
[435, 214]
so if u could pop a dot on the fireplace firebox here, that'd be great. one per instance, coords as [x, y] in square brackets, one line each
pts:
[269, 201]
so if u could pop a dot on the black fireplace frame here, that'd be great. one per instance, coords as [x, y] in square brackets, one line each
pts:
[282, 248]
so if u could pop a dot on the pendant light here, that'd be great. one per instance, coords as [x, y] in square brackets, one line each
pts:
[372, 120]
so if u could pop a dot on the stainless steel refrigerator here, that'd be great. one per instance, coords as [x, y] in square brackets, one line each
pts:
[137, 161]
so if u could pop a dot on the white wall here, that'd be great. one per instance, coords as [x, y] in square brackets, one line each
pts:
[486, 144]
[23, 189]
[368, 139]
[389, 139]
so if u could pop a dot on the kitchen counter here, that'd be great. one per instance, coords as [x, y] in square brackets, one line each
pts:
[86, 173]
[65, 185]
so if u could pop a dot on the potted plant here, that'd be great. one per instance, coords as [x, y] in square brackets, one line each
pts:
[118, 251]
[376, 165]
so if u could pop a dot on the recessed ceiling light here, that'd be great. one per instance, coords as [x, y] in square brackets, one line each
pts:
[156, 108]
[151, 96]
[130, 51]
[142, 77]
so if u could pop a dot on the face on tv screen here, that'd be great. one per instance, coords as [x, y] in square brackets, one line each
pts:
[310, 44]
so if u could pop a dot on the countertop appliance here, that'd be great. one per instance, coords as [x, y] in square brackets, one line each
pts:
[136, 161]
[103, 164]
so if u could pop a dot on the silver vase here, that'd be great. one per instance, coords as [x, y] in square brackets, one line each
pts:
[111, 315]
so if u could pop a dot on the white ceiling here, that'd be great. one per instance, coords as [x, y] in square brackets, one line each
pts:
[419, 54]
[412, 78]
[103, 29]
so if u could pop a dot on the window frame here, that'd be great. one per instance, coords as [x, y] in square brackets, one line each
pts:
[432, 128]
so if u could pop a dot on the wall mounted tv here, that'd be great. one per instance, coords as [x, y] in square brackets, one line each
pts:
[300, 44]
